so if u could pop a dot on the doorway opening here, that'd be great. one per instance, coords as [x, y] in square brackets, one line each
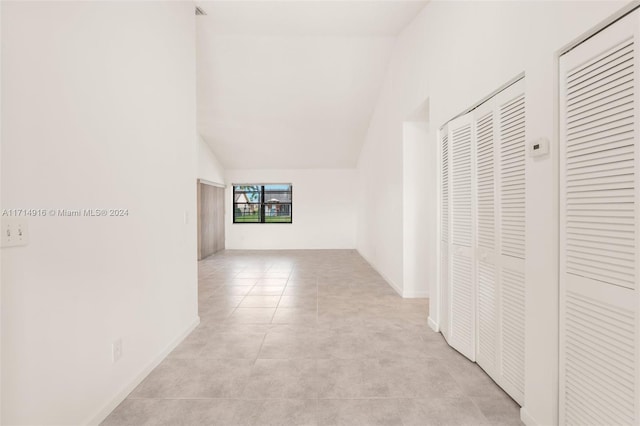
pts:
[210, 218]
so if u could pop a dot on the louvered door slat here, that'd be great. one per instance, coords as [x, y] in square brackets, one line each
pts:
[599, 103]
[512, 289]
[609, 58]
[486, 299]
[462, 283]
[615, 178]
[487, 318]
[444, 232]
[512, 175]
[619, 108]
[597, 90]
[445, 187]
[462, 332]
[622, 60]
[596, 365]
[584, 190]
[600, 82]
[461, 185]
[511, 167]
[485, 181]
[599, 226]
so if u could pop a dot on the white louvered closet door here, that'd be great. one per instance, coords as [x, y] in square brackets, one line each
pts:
[500, 243]
[599, 353]
[487, 237]
[462, 271]
[445, 232]
[510, 213]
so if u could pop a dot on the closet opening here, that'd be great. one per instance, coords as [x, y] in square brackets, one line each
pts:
[482, 159]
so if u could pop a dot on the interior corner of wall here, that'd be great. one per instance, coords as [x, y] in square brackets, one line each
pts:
[527, 418]
[392, 284]
[433, 324]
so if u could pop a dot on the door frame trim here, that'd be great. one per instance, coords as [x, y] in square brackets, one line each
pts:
[211, 183]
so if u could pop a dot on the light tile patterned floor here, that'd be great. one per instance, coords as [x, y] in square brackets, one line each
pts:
[311, 338]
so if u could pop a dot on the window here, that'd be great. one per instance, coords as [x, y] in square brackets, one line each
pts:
[262, 203]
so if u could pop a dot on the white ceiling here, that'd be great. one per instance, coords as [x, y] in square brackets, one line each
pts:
[284, 84]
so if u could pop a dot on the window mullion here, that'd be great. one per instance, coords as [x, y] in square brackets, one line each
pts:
[262, 205]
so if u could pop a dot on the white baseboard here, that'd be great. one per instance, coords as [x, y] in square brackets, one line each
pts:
[393, 285]
[526, 418]
[434, 325]
[120, 396]
[415, 295]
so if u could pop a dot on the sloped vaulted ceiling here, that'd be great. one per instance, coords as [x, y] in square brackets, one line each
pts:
[292, 84]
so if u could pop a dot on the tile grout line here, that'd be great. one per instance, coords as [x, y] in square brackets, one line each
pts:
[473, 401]
[243, 297]
[279, 299]
[391, 317]
[355, 398]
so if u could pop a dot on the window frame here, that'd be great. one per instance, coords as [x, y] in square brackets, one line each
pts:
[261, 203]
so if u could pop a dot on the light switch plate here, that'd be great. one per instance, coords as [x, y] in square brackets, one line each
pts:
[116, 350]
[15, 231]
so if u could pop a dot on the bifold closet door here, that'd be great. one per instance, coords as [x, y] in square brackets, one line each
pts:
[482, 245]
[462, 304]
[445, 227]
[487, 347]
[510, 212]
[500, 243]
[599, 225]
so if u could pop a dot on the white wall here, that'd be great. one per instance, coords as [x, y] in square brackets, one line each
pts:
[418, 210]
[380, 230]
[324, 215]
[454, 54]
[209, 167]
[1, 273]
[98, 111]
